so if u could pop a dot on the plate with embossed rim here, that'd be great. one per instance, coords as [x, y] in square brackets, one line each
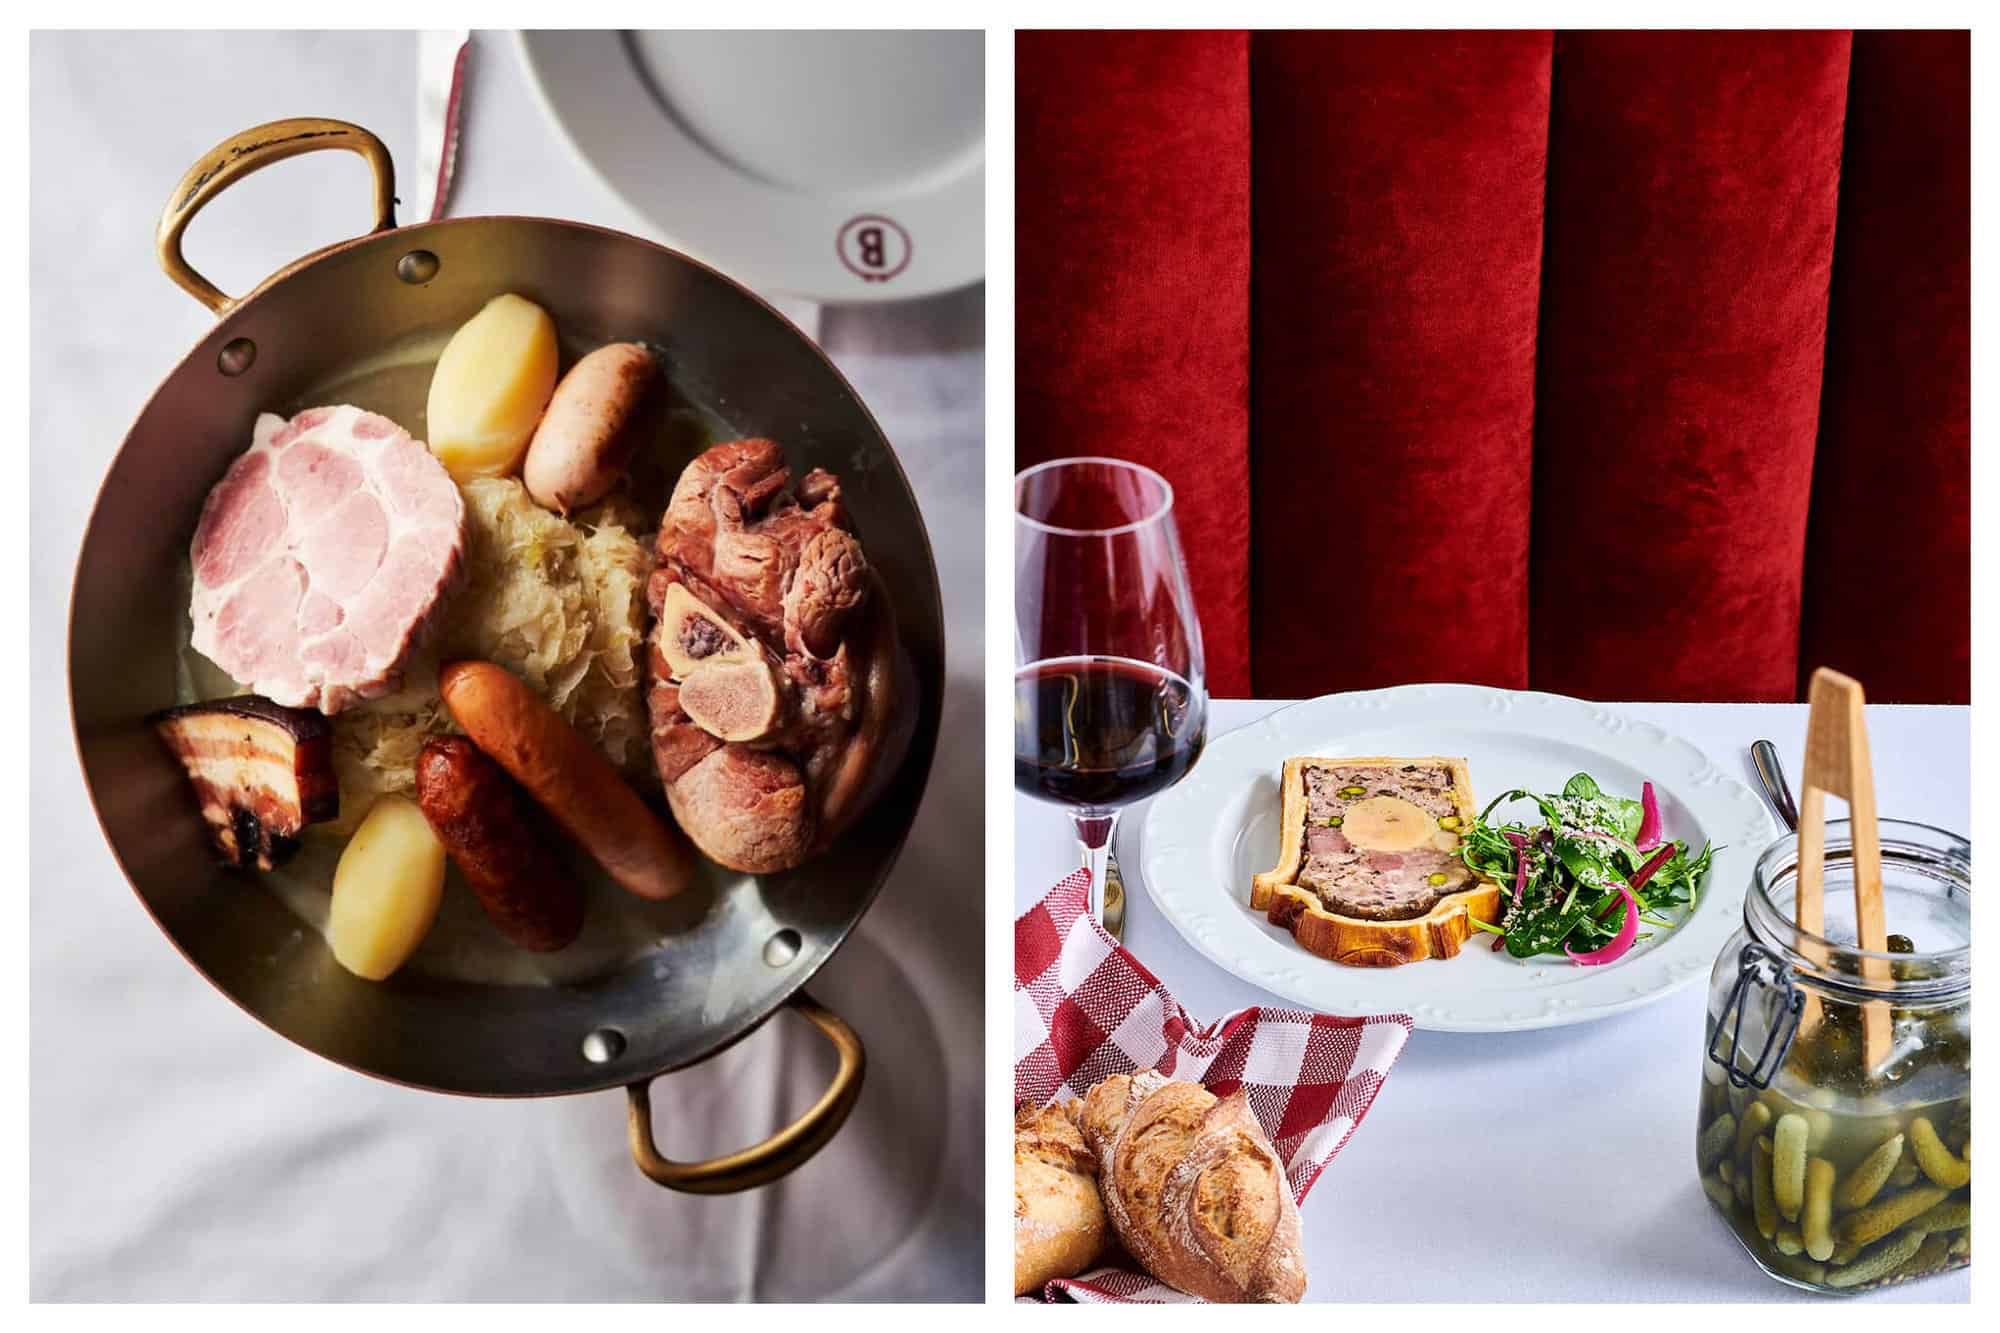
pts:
[841, 166]
[1206, 837]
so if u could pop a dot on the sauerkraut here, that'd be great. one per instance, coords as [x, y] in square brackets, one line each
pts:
[562, 604]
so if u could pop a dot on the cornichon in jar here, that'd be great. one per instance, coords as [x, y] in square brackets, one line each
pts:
[1951, 1215]
[1934, 1158]
[1879, 1262]
[1865, 1181]
[1788, 1164]
[1756, 1119]
[1928, 1256]
[1816, 1217]
[1878, 1219]
[1761, 1201]
[1799, 1267]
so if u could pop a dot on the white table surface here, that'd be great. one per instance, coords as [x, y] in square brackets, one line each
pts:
[1560, 1162]
[180, 1150]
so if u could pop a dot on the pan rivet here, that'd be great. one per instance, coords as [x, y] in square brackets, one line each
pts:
[236, 356]
[603, 1046]
[417, 266]
[781, 948]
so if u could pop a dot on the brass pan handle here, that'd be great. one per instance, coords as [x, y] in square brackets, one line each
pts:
[784, 1151]
[253, 150]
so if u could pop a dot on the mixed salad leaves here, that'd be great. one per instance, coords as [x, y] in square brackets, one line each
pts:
[1584, 880]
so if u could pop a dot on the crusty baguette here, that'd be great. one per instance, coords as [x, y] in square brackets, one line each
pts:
[567, 777]
[1194, 1189]
[1358, 941]
[1059, 1225]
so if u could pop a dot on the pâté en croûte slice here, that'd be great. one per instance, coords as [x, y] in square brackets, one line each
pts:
[1368, 870]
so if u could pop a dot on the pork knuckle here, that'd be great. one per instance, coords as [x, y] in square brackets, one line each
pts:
[692, 634]
[831, 580]
[732, 701]
[746, 809]
[771, 653]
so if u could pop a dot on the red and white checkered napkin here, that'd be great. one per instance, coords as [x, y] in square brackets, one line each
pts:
[1084, 1009]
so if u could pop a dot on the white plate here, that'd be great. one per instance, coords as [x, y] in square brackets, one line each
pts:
[1207, 836]
[839, 166]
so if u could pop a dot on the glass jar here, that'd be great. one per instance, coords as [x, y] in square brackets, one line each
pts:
[1836, 1177]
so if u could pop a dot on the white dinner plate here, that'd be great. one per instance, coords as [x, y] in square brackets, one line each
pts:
[1206, 837]
[839, 166]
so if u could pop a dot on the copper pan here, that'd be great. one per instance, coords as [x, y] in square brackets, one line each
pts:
[724, 966]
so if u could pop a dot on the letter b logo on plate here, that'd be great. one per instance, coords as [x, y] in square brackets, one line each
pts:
[873, 247]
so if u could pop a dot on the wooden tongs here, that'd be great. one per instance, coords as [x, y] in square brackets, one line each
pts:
[1837, 764]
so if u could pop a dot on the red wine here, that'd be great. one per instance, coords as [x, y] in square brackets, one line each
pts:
[1103, 731]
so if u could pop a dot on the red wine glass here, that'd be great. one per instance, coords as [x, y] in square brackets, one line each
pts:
[1110, 699]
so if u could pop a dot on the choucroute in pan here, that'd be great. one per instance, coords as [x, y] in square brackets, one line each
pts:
[380, 594]
[1368, 870]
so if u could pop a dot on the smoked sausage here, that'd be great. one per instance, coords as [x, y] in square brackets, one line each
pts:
[567, 777]
[500, 842]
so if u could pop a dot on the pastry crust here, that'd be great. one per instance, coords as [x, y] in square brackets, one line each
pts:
[1356, 941]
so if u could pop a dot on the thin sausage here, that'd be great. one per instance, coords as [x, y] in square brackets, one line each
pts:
[567, 777]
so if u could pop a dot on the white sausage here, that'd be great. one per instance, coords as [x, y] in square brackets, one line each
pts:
[581, 447]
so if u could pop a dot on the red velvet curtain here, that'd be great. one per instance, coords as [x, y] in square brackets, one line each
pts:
[1397, 219]
[1132, 285]
[1888, 595]
[1630, 365]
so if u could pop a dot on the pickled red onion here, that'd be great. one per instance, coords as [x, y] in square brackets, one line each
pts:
[1658, 859]
[1649, 819]
[1520, 863]
[1615, 950]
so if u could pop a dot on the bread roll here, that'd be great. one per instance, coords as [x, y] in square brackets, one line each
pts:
[1059, 1226]
[1194, 1189]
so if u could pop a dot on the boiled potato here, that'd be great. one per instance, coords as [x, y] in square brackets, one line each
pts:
[490, 386]
[386, 889]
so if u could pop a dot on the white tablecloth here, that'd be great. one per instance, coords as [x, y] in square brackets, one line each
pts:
[1553, 1165]
[180, 1150]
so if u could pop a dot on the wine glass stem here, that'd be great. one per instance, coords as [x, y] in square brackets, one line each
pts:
[1094, 832]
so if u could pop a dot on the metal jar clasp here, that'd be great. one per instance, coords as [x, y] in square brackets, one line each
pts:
[1757, 964]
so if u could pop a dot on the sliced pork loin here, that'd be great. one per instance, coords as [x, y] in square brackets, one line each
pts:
[321, 555]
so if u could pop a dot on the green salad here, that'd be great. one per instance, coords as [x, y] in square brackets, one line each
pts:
[1583, 879]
